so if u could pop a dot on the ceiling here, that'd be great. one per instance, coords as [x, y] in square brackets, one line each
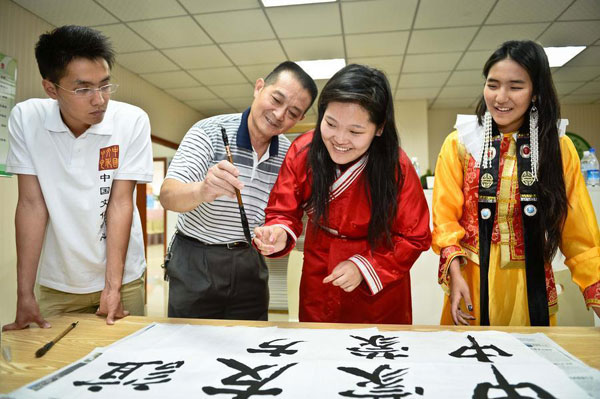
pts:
[209, 53]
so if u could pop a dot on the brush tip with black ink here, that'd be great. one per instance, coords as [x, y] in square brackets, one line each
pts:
[42, 351]
[224, 135]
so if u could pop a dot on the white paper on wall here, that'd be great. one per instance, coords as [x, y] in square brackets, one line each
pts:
[247, 362]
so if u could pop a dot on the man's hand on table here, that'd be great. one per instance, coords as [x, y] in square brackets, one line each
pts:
[111, 305]
[28, 312]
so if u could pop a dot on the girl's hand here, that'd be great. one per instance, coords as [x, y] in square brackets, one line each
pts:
[345, 275]
[270, 239]
[459, 290]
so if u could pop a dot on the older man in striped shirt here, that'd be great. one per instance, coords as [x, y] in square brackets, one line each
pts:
[213, 271]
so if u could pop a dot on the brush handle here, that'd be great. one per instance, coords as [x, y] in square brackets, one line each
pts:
[238, 194]
[42, 351]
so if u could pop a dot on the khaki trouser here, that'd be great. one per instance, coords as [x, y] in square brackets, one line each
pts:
[53, 302]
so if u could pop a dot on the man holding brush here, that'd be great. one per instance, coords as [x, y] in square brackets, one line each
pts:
[213, 270]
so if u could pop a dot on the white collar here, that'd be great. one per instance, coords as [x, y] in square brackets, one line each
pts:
[55, 123]
[470, 132]
[344, 180]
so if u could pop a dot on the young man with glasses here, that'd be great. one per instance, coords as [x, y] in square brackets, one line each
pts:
[78, 157]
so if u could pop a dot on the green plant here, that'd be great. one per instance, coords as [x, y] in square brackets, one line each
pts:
[424, 178]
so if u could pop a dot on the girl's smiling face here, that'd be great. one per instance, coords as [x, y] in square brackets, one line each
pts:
[508, 93]
[347, 131]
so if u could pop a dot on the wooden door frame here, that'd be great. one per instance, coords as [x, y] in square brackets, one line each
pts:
[165, 239]
[140, 202]
[143, 211]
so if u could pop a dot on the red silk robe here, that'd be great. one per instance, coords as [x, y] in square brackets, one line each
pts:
[384, 294]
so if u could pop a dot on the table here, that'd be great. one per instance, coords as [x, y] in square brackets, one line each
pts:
[92, 332]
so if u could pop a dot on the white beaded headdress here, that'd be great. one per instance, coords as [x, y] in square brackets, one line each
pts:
[487, 142]
[533, 139]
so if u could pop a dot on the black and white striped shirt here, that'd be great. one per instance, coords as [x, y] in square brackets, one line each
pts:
[219, 222]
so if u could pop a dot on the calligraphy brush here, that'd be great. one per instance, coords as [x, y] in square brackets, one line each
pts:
[42, 351]
[243, 216]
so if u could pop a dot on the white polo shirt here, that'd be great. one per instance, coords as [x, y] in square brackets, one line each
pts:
[76, 176]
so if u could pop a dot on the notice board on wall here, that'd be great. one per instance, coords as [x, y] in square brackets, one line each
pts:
[8, 92]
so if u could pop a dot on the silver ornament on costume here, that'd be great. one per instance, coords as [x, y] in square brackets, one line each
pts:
[530, 210]
[486, 213]
[487, 180]
[525, 151]
[527, 178]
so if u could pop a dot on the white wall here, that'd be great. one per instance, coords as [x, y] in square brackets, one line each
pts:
[441, 122]
[160, 151]
[412, 124]
[584, 119]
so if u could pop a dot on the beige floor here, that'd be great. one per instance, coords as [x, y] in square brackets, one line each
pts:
[158, 288]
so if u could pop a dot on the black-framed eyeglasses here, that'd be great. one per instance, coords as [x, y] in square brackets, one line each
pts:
[90, 91]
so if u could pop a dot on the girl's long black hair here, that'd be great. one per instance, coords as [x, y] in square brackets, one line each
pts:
[369, 88]
[551, 188]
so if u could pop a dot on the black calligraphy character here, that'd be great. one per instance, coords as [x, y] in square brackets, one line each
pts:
[120, 372]
[103, 225]
[254, 382]
[104, 190]
[104, 177]
[103, 203]
[482, 390]
[377, 346]
[380, 383]
[275, 350]
[479, 351]
[161, 375]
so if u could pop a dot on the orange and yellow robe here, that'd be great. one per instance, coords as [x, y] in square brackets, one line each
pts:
[456, 229]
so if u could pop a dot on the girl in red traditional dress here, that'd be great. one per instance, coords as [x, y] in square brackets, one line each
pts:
[368, 220]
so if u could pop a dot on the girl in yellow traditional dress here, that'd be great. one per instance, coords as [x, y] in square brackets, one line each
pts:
[508, 194]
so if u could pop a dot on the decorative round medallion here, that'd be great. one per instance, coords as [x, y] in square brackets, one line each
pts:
[527, 178]
[525, 151]
[487, 180]
[486, 213]
[530, 210]
[492, 153]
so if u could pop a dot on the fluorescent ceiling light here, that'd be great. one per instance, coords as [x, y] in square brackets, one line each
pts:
[322, 69]
[559, 56]
[278, 3]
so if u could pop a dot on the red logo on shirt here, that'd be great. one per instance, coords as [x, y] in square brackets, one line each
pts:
[109, 158]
